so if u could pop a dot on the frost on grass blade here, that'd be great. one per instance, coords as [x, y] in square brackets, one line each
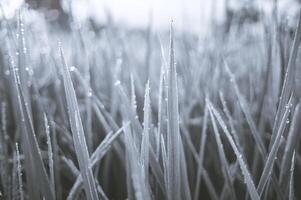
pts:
[247, 177]
[288, 82]
[50, 153]
[140, 186]
[173, 132]
[201, 155]
[291, 183]
[96, 156]
[78, 133]
[291, 144]
[222, 157]
[269, 164]
[19, 174]
[144, 154]
[33, 160]
[137, 136]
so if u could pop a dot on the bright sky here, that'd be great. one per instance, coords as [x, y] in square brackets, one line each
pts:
[185, 13]
[193, 15]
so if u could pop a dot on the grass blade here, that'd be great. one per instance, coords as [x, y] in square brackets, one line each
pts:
[173, 133]
[288, 82]
[78, 133]
[273, 153]
[291, 184]
[248, 179]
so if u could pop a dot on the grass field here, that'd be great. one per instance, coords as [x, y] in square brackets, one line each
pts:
[120, 113]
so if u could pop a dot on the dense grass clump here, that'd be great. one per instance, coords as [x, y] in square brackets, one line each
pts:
[117, 113]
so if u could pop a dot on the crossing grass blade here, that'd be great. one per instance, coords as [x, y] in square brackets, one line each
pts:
[201, 154]
[291, 144]
[239, 155]
[222, 157]
[96, 156]
[267, 171]
[78, 133]
[288, 82]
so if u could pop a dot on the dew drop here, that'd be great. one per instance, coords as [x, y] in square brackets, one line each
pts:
[72, 69]
[117, 83]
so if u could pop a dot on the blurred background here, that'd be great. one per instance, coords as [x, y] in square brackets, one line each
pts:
[190, 15]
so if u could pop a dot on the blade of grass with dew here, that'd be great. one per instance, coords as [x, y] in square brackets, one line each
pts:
[250, 121]
[96, 156]
[56, 161]
[258, 140]
[133, 94]
[156, 168]
[267, 171]
[144, 154]
[288, 82]
[30, 144]
[248, 179]
[164, 159]
[78, 133]
[201, 155]
[291, 183]
[19, 174]
[141, 190]
[291, 144]
[50, 154]
[173, 133]
[161, 110]
[4, 154]
[228, 115]
[207, 180]
[184, 176]
[222, 156]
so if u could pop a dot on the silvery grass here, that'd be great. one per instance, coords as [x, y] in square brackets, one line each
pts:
[100, 117]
